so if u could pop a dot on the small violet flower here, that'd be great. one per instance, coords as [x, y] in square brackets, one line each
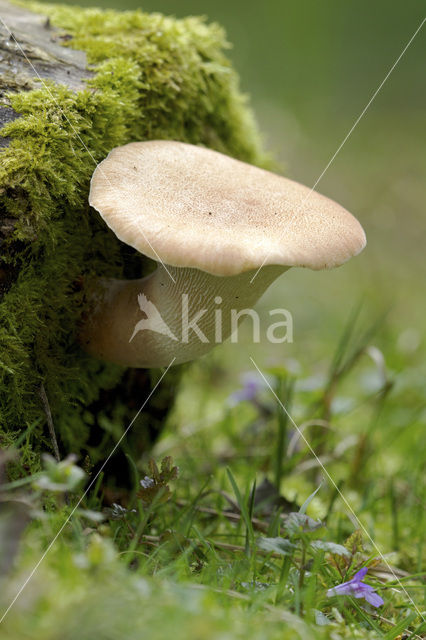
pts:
[253, 385]
[358, 589]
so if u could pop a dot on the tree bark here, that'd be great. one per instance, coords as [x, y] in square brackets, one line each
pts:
[31, 50]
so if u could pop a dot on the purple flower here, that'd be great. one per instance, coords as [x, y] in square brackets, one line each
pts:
[253, 384]
[358, 589]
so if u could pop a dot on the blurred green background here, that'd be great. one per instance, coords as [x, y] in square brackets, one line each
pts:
[310, 68]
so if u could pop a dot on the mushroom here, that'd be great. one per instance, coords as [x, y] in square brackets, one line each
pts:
[221, 232]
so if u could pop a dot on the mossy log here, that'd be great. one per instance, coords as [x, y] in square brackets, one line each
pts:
[74, 84]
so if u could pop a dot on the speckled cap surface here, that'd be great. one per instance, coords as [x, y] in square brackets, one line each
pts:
[193, 207]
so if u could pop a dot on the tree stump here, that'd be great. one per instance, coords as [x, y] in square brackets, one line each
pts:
[74, 84]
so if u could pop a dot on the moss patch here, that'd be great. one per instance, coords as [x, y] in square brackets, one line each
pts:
[154, 77]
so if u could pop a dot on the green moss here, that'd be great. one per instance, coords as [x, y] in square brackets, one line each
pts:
[154, 77]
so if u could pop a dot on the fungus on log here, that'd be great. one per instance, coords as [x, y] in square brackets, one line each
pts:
[75, 83]
[221, 231]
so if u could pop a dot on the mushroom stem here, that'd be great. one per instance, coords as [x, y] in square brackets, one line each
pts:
[148, 322]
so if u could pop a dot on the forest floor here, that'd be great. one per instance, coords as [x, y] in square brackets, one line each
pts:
[289, 482]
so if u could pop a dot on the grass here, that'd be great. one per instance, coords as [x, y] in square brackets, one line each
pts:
[247, 537]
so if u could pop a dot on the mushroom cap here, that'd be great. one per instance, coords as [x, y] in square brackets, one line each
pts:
[193, 207]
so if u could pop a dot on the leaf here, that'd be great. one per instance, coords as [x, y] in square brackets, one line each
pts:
[354, 542]
[309, 499]
[331, 547]
[279, 545]
[301, 523]
[321, 619]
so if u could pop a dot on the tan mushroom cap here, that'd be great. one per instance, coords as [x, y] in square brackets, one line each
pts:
[194, 207]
